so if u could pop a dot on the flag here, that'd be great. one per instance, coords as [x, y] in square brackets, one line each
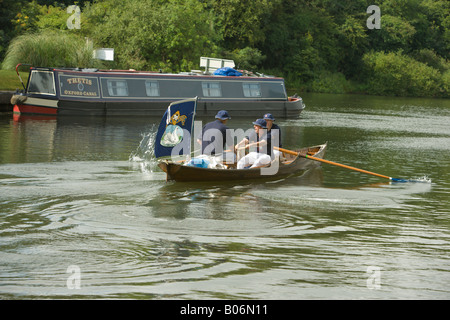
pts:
[174, 132]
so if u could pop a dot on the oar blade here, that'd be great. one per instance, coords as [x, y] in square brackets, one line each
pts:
[424, 180]
[399, 180]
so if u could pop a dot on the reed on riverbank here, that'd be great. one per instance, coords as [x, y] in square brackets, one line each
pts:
[49, 48]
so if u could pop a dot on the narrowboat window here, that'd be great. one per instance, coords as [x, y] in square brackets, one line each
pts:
[42, 82]
[211, 89]
[117, 88]
[152, 88]
[251, 89]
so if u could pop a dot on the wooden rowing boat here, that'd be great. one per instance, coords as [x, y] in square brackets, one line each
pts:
[289, 164]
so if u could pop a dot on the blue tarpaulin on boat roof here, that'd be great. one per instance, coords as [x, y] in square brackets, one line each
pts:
[227, 71]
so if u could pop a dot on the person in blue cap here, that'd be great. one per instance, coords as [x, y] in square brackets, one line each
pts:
[272, 127]
[261, 143]
[274, 131]
[216, 137]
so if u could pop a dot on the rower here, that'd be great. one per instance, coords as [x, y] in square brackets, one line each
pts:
[274, 131]
[216, 136]
[262, 142]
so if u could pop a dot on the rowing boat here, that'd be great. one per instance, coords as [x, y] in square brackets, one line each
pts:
[174, 141]
[288, 164]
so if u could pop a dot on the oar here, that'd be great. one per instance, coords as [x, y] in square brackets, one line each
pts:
[338, 164]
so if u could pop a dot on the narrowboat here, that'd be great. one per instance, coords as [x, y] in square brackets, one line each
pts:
[75, 91]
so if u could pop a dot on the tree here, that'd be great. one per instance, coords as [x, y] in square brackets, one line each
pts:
[8, 11]
[152, 34]
[354, 42]
[247, 58]
[395, 73]
[323, 45]
[240, 22]
[301, 40]
[396, 33]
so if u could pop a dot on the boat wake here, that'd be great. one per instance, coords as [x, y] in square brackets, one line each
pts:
[144, 155]
[424, 179]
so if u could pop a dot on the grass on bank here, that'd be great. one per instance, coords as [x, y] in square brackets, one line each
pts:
[49, 49]
[9, 81]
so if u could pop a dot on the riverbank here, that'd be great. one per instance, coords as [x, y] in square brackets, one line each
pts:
[325, 83]
[9, 83]
[5, 101]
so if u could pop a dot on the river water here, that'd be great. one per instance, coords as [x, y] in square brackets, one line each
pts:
[86, 213]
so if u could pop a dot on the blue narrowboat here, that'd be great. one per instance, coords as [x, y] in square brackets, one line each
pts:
[74, 91]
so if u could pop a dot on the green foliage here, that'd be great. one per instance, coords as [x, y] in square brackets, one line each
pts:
[432, 59]
[353, 32]
[301, 41]
[397, 74]
[317, 45]
[330, 82]
[395, 33]
[24, 20]
[10, 81]
[151, 34]
[446, 84]
[49, 49]
[247, 58]
[240, 22]
[52, 17]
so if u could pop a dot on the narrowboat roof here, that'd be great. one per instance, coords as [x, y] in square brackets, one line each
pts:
[193, 73]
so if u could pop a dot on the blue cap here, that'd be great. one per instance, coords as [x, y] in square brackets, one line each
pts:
[269, 116]
[261, 122]
[222, 115]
